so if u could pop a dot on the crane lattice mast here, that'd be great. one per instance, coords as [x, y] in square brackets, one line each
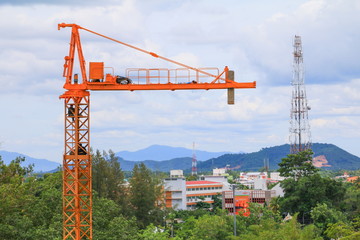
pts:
[300, 135]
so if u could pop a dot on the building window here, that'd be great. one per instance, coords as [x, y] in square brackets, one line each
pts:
[258, 200]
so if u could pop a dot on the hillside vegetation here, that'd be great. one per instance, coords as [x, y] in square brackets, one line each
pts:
[337, 158]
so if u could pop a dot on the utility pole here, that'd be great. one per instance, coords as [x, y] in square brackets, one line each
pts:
[300, 135]
[233, 187]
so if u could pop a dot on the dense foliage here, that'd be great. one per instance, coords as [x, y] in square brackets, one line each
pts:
[321, 208]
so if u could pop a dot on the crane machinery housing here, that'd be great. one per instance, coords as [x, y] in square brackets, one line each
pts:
[77, 186]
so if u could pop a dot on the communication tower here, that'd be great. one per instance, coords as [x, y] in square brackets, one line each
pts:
[300, 135]
[194, 163]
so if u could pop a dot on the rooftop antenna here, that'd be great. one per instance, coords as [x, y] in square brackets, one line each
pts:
[194, 162]
[266, 164]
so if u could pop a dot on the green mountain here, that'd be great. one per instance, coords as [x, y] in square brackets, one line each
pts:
[162, 166]
[328, 155]
[332, 157]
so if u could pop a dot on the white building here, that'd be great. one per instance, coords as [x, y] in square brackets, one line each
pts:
[182, 194]
[221, 179]
[175, 193]
[219, 171]
[176, 173]
[260, 184]
[276, 176]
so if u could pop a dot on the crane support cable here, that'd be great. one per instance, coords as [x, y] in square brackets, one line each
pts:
[147, 52]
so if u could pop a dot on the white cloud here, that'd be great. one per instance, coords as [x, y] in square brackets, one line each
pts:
[253, 38]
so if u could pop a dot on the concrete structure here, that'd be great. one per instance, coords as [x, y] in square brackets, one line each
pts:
[176, 173]
[275, 176]
[221, 179]
[260, 184]
[175, 193]
[219, 171]
[182, 194]
[253, 175]
[279, 191]
[254, 180]
[243, 198]
[207, 189]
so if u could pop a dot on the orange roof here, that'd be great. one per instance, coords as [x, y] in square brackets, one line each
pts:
[200, 182]
[352, 179]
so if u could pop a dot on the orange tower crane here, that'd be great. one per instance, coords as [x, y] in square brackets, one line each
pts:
[77, 196]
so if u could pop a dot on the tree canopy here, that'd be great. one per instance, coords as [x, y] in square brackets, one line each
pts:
[297, 165]
[31, 207]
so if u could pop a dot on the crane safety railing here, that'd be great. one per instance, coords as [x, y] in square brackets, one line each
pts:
[166, 76]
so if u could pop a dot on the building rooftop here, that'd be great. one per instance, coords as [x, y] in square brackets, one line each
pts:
[200, 182]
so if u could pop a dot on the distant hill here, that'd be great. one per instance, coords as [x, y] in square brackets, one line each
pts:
[40, 165]
[162, 153]
[328, 156]
[162, 166]
[335, 158]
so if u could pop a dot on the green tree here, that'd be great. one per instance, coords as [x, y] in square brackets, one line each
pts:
[14, 172]
[151, 232]
[323, 215]
[217, 205]
[109, 179]
[202, 204]
[116, 176]
[100, 174]
[297, 165]
[304, 194]
[304, 188]
[15, 197]
[145, 193]
[46, 210]
[351, 203]
[30, 208]
[269, 229]
[191, 178]
[209, 227]
[109, 224]
[339, 230]
[116, 181]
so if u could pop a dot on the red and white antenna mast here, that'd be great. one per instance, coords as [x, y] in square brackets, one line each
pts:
[194, 162]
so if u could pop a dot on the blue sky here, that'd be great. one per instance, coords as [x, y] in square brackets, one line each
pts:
[254, 38]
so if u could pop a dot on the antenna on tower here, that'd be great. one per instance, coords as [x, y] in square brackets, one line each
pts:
[300, 135]
[194, 162]
[266, 164]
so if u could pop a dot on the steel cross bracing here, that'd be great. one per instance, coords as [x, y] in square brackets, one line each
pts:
[77, 196]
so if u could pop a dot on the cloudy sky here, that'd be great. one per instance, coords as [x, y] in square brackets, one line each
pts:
[254, 38]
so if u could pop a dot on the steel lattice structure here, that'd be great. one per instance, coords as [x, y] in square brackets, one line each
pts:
[77, 197]
[300, 135]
